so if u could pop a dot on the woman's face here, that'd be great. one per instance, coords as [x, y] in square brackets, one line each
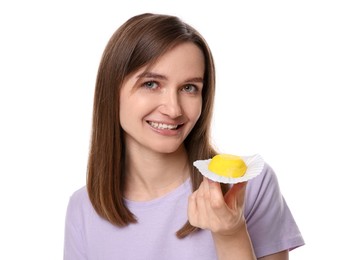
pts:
[160, 103]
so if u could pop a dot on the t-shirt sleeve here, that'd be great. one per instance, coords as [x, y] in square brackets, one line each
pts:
[270, 223]
[73, 240]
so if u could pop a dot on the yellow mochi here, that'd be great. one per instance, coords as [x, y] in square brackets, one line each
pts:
[227, 165]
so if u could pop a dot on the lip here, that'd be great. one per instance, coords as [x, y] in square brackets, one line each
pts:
[166, 131]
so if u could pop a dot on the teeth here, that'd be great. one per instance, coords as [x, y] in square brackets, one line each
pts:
[162, 126]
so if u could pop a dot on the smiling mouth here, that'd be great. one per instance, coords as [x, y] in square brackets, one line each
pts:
[163, 126]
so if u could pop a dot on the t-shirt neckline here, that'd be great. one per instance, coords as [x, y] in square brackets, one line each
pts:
[181, 189]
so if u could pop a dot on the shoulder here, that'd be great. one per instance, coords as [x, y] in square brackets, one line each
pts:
[263, 192]
[267, 175]
[266, 180]
[270, 223]
[79, 204]
[79, 196]
[74, 246]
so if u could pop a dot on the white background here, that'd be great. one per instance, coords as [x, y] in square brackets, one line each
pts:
[284, 70]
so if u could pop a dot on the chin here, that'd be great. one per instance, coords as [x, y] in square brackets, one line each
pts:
[166, 148]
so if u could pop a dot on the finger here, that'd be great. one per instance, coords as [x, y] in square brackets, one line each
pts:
[201, 191]
[217, 201]
[197, 212]
[236, 195]
[202, 199]
[192, 209]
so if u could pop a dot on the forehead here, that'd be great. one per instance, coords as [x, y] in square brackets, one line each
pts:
[186, 60]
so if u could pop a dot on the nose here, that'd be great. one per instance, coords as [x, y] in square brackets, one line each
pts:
[171, 105]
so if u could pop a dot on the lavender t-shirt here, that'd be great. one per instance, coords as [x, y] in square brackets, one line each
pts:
[88, 236]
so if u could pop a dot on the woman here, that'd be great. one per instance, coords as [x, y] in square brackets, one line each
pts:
[144, 199]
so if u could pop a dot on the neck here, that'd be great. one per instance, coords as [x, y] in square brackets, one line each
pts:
[152, 175]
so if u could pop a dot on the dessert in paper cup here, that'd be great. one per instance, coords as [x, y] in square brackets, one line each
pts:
[227, 168]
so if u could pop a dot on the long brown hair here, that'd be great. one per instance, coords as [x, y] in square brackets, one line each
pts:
[138, 42]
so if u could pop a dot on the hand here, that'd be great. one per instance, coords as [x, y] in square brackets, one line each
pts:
[208, 209]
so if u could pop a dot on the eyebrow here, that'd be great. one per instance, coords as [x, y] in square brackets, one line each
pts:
[153, 75]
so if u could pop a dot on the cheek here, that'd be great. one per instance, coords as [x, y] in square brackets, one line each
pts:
[123, 117]
[126, 111]
[135, 108]
[193, 109]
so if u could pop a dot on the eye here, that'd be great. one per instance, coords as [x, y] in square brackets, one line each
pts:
[190, 88]
[150, 84]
